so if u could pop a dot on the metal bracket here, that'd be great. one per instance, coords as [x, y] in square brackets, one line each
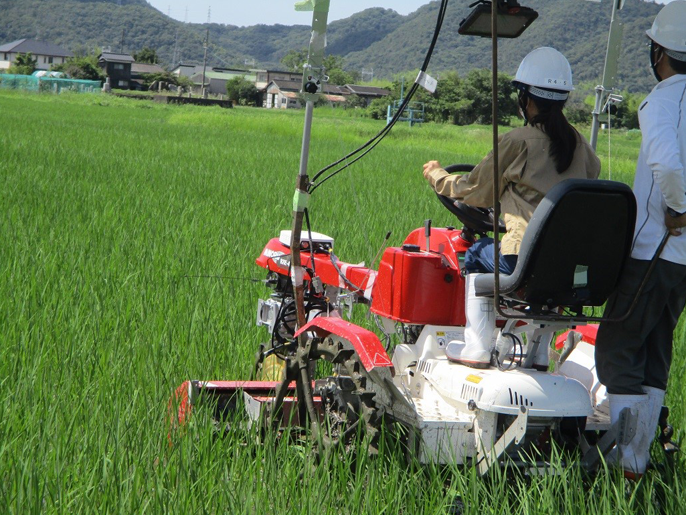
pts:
[515, 433]
[620, 433]
[253, 408]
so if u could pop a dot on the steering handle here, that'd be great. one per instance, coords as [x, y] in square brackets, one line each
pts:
[478, 219]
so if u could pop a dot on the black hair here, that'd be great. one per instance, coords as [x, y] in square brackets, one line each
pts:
[563, 137]
[677, 66]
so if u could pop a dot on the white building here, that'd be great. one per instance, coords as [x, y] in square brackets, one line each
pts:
[46, 54]
[286, 94]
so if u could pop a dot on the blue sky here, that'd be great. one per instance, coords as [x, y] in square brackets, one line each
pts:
[270, 12]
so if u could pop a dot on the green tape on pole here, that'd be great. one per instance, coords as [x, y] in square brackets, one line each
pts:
[321, 6]
[300, 201]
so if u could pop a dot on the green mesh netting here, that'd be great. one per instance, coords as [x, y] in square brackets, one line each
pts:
[47, 84]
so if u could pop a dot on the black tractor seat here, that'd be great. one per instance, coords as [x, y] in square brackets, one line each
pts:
[573, 250]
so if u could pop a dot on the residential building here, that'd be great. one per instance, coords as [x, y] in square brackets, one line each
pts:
[139, 70]
[264, 77]
[368, 93]
[286, 94]
[118, 68]
[216, 79]
[46, 54]
[187, 70]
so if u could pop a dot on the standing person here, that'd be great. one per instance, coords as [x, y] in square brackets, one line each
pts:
[633, 357]
[533, 159]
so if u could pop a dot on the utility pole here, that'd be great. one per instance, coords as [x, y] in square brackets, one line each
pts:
[121, 46]
[207, 42]
[204, 63]
[176, 47]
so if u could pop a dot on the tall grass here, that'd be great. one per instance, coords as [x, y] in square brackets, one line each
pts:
[114, 211]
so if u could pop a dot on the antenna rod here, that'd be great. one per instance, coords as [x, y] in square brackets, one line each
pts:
[496, 175]
[614, 45]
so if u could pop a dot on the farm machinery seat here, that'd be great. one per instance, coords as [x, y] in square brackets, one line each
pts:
[573, 251]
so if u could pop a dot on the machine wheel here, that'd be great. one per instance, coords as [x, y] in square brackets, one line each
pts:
[347, 399]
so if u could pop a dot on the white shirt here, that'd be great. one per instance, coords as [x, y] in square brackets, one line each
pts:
[660, 180]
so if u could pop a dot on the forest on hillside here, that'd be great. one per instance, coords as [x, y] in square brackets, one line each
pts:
[375, 39]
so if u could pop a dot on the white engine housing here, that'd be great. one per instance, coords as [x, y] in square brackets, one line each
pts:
[457, 406]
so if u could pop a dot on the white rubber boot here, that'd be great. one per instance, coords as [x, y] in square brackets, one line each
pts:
[542, 357]
[478, 334]
[630, 457]
[648, 420]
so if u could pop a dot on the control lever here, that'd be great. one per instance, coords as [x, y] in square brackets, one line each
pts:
[427, 234]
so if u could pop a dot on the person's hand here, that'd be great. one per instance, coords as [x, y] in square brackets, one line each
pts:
[675, 224]
[430, 167]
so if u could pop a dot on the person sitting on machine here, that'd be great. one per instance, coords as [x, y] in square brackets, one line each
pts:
[532, 159]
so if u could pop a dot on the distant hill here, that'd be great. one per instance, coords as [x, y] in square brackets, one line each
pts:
[578, 28]
[375, 38]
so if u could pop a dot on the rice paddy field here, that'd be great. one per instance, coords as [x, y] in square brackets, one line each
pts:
[127, 244]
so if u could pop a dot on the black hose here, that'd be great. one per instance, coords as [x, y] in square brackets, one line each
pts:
[371, 144]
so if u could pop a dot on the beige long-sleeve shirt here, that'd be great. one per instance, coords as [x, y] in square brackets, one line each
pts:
[527, 172]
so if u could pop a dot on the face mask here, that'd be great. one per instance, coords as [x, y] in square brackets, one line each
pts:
[654, 61]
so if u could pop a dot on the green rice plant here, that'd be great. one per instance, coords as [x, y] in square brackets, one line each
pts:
[129, 234]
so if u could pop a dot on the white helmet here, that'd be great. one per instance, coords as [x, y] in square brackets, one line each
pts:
[543, 70]
[669, 29]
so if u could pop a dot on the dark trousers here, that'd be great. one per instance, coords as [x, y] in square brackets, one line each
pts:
[481, 258]
[638, 351]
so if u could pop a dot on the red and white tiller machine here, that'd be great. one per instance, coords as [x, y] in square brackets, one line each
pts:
[403, 374]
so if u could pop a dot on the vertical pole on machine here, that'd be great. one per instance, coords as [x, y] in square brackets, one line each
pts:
[311, 86]
[614, 45]
[496, 166]
[299, 205]
[313, 77]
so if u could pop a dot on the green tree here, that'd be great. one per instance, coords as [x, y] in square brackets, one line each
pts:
[626, 115]
[447, 101]
[146, 55]
[24, 64]
[378, 109]
[577, 111]
[339, 77]
[241, 91]
[356, 102]
[475, 99]
[334, 65]
[184, 82]
[150, 78]
[83, 67]
[295, 59]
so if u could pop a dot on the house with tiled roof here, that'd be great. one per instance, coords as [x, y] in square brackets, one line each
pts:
[216, 78]
[46, 54]
[368, 93]
[264, 77]
[140, 70]
[118, 68]
[286, 94]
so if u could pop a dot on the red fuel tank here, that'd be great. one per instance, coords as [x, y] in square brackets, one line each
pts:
[418, 287]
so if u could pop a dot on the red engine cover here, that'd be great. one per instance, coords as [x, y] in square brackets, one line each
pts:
[418, 288]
